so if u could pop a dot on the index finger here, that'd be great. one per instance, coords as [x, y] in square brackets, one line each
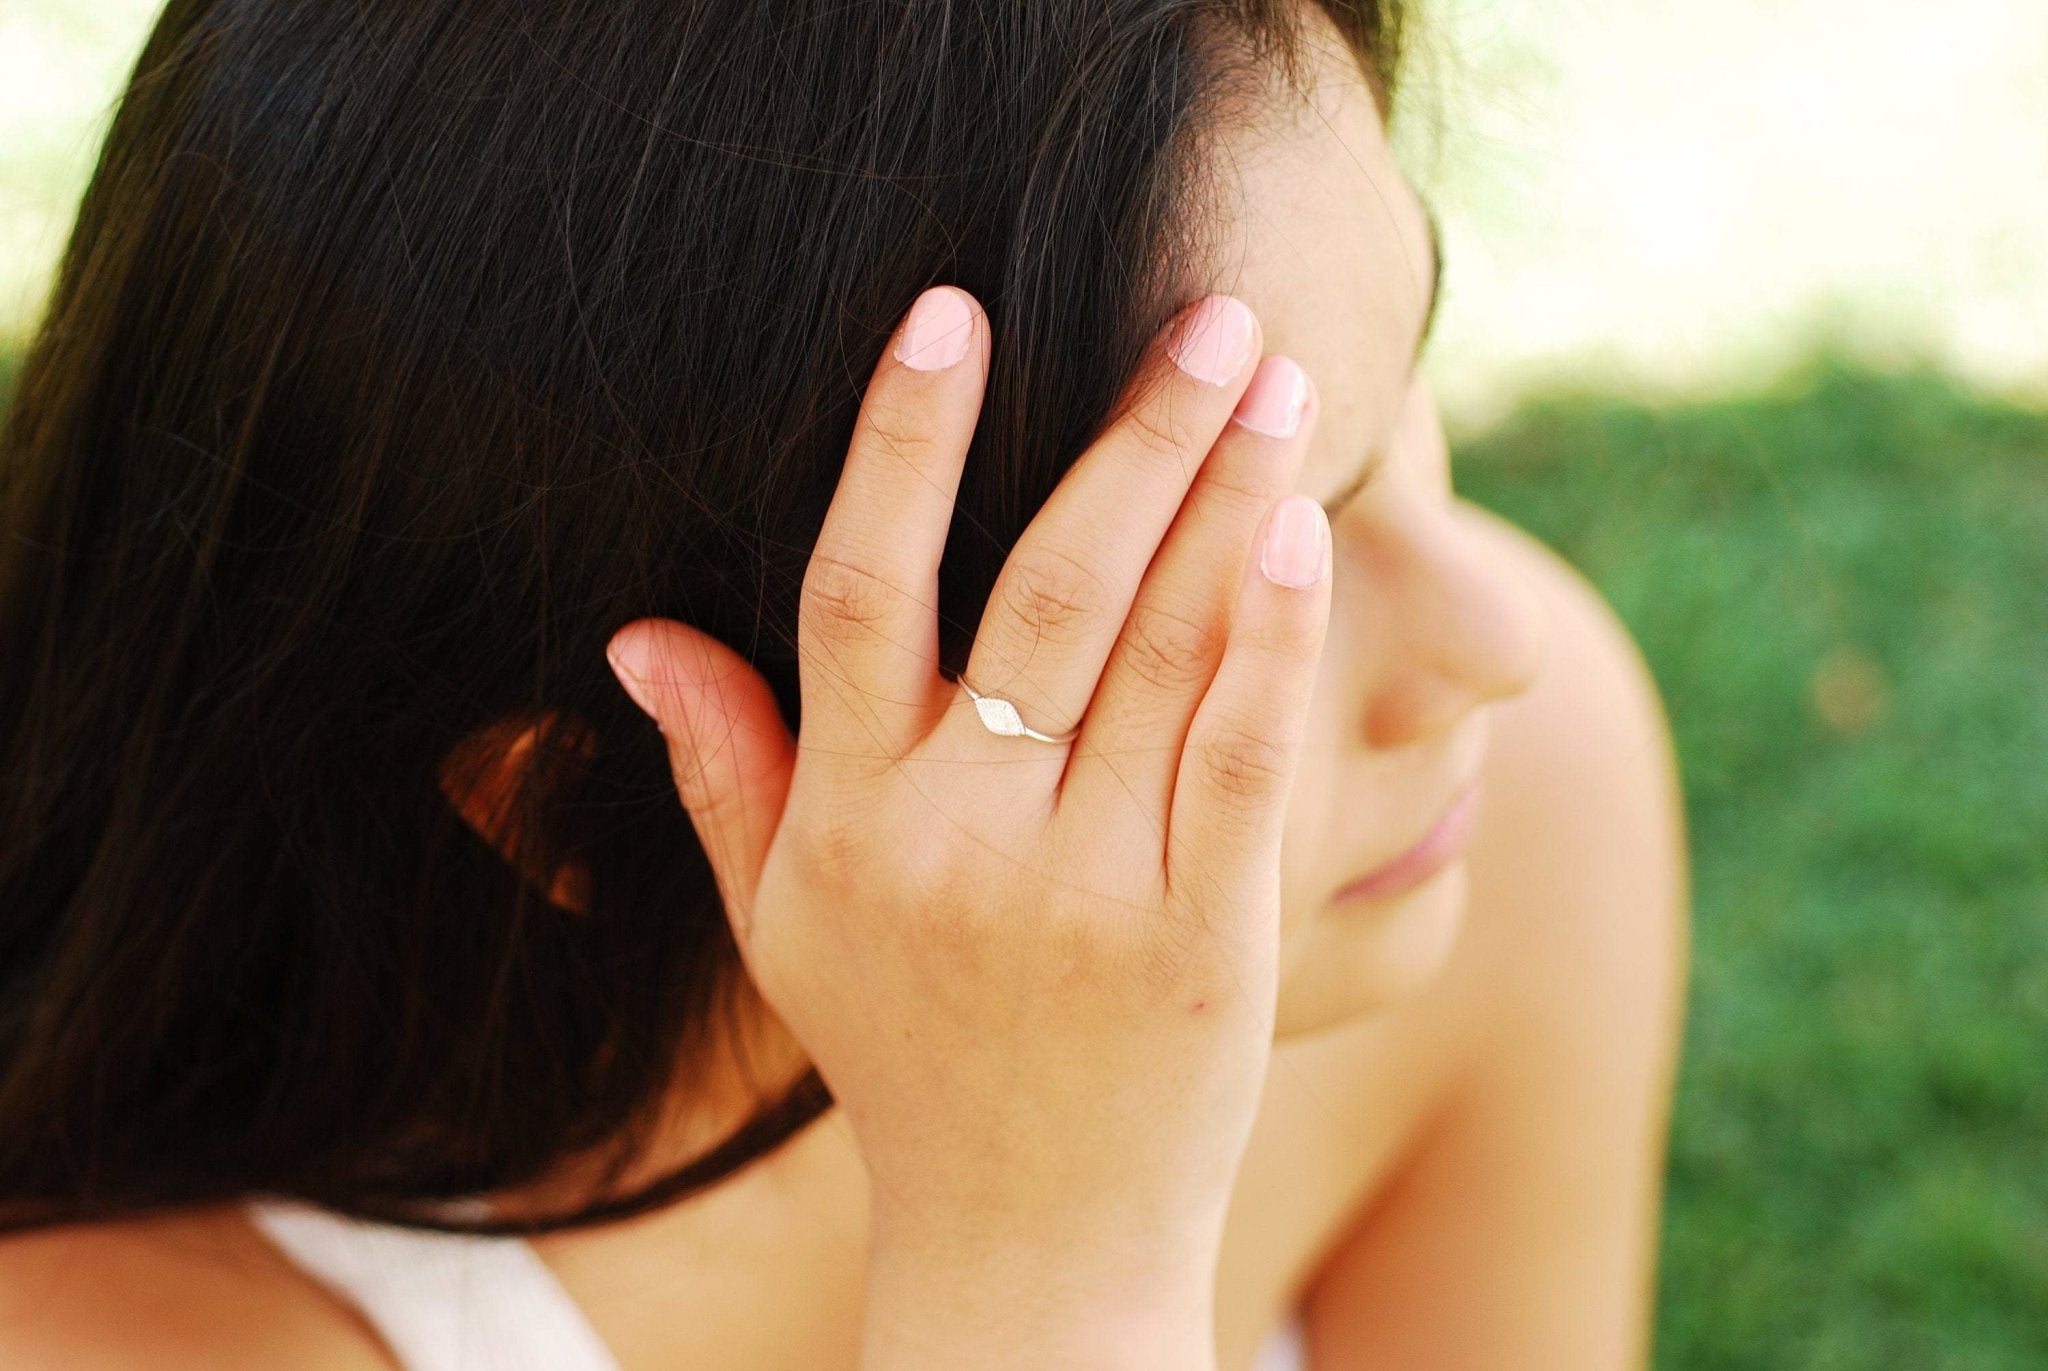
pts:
[867, 623]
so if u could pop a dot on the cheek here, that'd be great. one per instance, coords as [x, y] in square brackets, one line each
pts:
[1307, 859]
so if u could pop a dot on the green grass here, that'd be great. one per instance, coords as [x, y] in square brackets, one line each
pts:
[1842, 586]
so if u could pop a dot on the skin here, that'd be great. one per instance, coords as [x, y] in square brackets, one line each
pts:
[1428, 629]
[1455, 1160]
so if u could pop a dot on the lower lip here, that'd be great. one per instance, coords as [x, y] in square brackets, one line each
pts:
[1436, 851]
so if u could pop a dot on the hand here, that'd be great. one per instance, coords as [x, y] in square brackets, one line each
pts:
[1039, 979]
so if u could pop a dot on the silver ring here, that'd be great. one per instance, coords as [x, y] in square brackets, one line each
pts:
[1000, 717]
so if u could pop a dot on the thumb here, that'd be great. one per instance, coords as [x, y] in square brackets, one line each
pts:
[728, 747]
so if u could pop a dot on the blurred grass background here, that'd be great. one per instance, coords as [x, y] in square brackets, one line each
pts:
[1841, 582]
[1743, 316]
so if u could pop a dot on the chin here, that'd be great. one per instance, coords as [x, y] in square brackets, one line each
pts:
[1351, 962]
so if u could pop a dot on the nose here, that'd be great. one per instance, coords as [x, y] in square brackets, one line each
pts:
[1465, 627]
[1470, 634]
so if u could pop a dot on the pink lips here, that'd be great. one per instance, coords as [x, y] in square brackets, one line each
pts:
[1432, 854]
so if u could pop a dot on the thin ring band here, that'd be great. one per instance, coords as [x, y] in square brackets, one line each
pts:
[1000, 717]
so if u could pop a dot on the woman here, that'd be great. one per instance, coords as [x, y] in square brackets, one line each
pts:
[406, 358]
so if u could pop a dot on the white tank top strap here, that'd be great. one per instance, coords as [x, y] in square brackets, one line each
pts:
[460, 1302]
[441, 1301]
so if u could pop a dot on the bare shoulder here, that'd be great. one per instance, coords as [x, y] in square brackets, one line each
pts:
[195, 1289]
[1520, 1228]
[1582, 863]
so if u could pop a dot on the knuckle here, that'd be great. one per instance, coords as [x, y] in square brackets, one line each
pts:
[1182, 950]
[1167, 958]
[1152, 431]
[1239, 488]
[843, 601]
[1168, 650]
[933, 873]
[899, 429]
[1287, 644]
[1054, 594]
[862, 860]
[828, 851]
[1237, 762]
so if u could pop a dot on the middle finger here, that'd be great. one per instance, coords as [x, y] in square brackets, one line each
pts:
[1063, 593]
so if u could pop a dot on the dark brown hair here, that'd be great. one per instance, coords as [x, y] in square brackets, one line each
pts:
[403, 352]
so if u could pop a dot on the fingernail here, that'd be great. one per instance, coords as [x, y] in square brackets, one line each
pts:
[937, 333]
[629, 664]
[1296, 552]
[1214, 340]
[1273, 402]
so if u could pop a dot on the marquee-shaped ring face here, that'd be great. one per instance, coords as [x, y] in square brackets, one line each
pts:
[1000, 715]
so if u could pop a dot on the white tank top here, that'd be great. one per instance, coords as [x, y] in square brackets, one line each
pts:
[463, 1302]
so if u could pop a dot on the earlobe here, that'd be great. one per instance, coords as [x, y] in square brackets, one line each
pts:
[480, 777]
[479, 773]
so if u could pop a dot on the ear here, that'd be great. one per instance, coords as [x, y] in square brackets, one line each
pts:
[481, 774]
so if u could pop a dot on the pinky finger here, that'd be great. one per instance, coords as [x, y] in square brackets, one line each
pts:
[1238, 764]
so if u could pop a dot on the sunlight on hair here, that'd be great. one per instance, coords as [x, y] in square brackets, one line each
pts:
[1676, 198]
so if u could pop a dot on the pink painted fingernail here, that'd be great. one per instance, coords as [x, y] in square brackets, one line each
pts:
[1214, 340]
[937, 333]
[1296, 550]
[1273, 402]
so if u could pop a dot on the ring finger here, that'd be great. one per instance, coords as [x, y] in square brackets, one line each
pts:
[1173, 641]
